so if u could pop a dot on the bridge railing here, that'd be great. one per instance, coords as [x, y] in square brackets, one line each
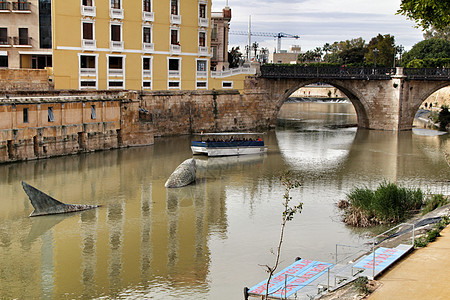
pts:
[300, 71]
[305, 72]
[427, 73]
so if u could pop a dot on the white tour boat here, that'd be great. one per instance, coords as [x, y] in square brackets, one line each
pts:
[228, 143]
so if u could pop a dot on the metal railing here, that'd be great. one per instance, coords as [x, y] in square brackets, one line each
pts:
[375, 242]
[427, 73]
[300, 71]
[6, 41]
[4, 5]
[365, 73]
[22, 41]
[21, 5]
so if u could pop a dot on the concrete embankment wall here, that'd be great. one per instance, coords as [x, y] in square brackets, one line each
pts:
[39, 125]
[184, 112]
[34, 125]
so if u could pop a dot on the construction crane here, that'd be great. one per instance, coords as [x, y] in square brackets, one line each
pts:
[278, 36]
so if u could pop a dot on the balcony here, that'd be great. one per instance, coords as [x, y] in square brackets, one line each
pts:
[5, 6]
[148, 47]
[174, 73]
[6, 42]
[88, 44]
[88, 11]
[88, 72]
[148, 16]
[22, 41]
[147, 73]
[203, 22]
[116, 13]
[115, 72]
[175, 19]
[116, 45]
[202, 74]
[21, 6]
[175, 48]
[203, 50]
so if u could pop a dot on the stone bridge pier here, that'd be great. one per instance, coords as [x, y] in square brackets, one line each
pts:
[382, 104]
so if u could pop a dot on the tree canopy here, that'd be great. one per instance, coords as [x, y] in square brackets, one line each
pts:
[386, 48]
[428, 53]
[427, 13]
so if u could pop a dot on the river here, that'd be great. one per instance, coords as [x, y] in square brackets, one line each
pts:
[208, 240]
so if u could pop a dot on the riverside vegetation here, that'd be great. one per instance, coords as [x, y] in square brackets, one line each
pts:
[389, 203]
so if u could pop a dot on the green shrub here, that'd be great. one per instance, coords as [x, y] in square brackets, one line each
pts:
[361, 285]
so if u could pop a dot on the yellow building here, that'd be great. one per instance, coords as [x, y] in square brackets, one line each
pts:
[147, 44]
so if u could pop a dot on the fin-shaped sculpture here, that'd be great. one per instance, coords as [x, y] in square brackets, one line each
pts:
[45, 205]
[183, 175]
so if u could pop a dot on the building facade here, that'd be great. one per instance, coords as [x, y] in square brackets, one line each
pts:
[219, 39]
[25, 34]
[119, 45]
[136, 45]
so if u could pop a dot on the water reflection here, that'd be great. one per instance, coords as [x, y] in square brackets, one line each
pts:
[146, 241]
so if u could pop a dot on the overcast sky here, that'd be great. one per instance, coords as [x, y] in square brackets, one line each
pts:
[319, 21]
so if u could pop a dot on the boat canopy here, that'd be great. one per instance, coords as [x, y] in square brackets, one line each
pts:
[229, 133]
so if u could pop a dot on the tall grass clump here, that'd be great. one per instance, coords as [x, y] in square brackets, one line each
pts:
[389, 203]
[434, 201]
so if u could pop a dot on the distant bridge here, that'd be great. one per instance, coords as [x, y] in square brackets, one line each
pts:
[384, 98]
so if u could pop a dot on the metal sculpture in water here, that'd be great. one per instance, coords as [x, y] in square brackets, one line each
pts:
[45, 205]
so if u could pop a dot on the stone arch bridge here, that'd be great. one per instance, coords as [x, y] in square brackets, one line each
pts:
[384, 98]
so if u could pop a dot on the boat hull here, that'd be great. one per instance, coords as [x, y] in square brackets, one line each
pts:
[228, 151]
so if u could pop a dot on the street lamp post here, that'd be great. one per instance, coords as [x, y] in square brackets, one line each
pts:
[375, 53]
[400, 50]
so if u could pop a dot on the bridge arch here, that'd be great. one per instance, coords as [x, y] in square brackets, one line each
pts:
[349, 90]
[417, 93]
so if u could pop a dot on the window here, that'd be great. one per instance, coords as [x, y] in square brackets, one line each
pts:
[202, 39]
[214, 32]
[115, 33]
[45, 24]
[4, 36]
[227, 84]
[115, 4]
[174, 64]
[174, 7]
[41, 61]
[25, 115]
[214, 52]
[88, 31]
[51, 117]
[3, 61]
[202, 11]
[116, 84]
[174, 84]
[93, 113]
[147, 34]
[146, 64]
[147, 6]
[115, 62]
[88, 2]
[201, 84]
[201, 65]
[87, 62]
[23, 36]
[174, 37]
[88, 83]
